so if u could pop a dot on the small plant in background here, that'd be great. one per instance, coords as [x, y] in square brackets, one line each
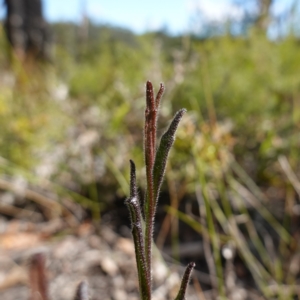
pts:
[155, 160]
[37, 278]
[39, 284]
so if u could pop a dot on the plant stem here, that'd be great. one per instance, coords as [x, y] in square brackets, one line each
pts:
[152, 106]
[138, 238]
[149, 148]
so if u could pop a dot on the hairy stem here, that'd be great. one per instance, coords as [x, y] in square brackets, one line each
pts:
[151, 111]
[185, 280]
[138, 238]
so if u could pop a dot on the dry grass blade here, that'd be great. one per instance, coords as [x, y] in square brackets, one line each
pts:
[286, 167]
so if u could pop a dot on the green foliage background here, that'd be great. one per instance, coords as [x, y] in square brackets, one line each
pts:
[248, 85]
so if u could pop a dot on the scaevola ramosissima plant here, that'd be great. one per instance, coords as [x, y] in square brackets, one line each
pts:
[155, 160]
[142, 228]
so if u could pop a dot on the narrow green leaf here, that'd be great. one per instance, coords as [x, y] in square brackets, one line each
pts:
[185, 280]
[133, 188]
[163, 150]
[137, 232]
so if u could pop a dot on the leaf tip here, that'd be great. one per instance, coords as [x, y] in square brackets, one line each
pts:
[149, 85]
[182, 111]
[82, 291]
[133, 188]
[185, 280]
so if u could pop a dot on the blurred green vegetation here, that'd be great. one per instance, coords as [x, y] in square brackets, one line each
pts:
[77, 121]
[247, 86]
